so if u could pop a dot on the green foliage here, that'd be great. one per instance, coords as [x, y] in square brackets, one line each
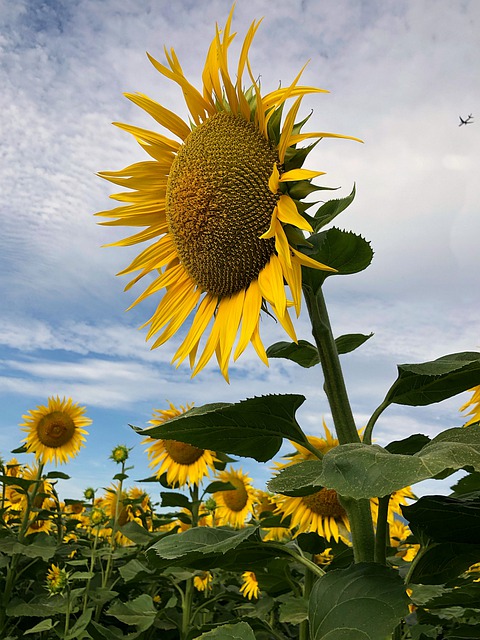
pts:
[306, 354]
[254, 428]
[239, 631]
[430, 382]
[363, 602]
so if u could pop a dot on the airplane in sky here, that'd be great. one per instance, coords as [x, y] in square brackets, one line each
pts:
[467, 120]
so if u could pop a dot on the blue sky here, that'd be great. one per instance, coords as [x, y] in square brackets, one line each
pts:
[399, 73]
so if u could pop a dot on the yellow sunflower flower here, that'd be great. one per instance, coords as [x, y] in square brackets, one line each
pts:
[249, 588]
[183, 463]
[267, 504]
[399, 533]
[217, 206]
[320, 512]
[234, 505]
[203, 581]
[56, 580]
[474, 407]
[123, 513]
[55, 432]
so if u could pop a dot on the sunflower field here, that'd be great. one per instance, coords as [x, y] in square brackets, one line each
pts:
[337, 546]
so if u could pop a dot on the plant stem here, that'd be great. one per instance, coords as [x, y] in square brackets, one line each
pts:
[358, 511]
[311, 566]
[367, 434]
[187, 608]
[307, 588]
[382, 532]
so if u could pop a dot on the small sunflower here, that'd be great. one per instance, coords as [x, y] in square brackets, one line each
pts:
[183, 463]
[55, 432]
[474, 407]
[266, 506]
[234, 505]
[249, 588]
[56, 580]
[203, 581]
[399, 533]
[220, 206]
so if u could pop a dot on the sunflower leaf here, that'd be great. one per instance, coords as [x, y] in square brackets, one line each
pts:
[366, 471]
[238, 631]
[140, 612]
[304, 353]
[443, 561]
[252, 428]
[350, 341]
[330, 210]
[430, 513]
[343, 250]
[363, 602]
[429, 382]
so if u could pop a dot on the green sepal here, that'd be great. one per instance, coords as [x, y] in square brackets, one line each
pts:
[331, 209]
[300, 189]
[343, 250]
[252, 428]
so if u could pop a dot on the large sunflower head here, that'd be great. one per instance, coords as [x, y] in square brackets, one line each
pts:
[220, 205]
[234, 505]
[183, 463]
[55, 432]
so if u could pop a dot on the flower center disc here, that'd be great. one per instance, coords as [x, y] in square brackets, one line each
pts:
[55, 429]
[325, 503]
[181, 452]
[236, 499]
[219, 203]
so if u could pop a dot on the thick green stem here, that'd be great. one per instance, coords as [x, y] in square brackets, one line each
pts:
[187, 608]
[358, 511]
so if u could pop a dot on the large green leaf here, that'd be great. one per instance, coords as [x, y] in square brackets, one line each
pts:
[139, 612]
[431, 514]
[343, 250]
[253, 428]
[365, 471]
[363, 602]
[430, 382]
[238, 631]
[444, 561]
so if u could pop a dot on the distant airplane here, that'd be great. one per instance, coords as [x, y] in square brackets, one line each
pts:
[467, 120]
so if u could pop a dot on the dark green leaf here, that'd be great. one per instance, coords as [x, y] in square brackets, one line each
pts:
[343, 250]
[238, 631]
[467, 484]
[217, 485]
[330, 210]
[44, 625]
[140, 612]
[22, 449]
[304, 353]
[364, 602]
[136, 533]
[120, 477]
[51, 475]
[350, 342]
[174, 499]
[134, 570]
[254, 428]
[467, 595]
[80, 625]
[293, 610]
[443, 561]
[429, 382]
[430, 514]
[365, 471]
[408, 446]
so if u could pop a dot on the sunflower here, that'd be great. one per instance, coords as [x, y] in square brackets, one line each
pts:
[183, 463]
[474, 405]
[320, 512]
[221, 205]
[265, 507]
[399, 532]
[123, 513]
[249, 588]
[56, 579]
[55, 432]
[203, 581]
[234, 505]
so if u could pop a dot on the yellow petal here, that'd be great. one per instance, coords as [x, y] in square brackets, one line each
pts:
[163, 116]
[287, 213]
[287, 129]
[270, 232]
[273, 181]
[202, 318]
[270, 280]
[295, 139]
[309, 262]
[300, 174]
[250, 316]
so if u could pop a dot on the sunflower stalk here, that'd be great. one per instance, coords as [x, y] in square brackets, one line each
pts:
[358, 511]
